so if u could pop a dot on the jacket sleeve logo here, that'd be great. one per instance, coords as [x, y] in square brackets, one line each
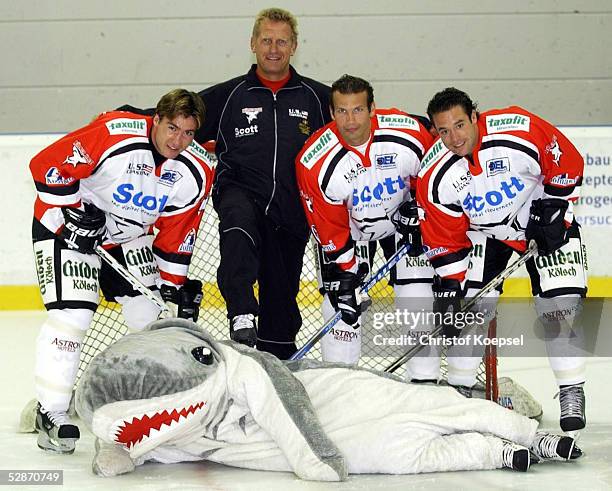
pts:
[188, 242]
[79, 155]
[54, 178]
[554, 149]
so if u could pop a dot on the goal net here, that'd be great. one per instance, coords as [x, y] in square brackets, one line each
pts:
[108, 324]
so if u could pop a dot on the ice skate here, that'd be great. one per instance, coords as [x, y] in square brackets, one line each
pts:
[571, 400]
[546, 446]
[56, 433]
[243, 330]
[515, 457]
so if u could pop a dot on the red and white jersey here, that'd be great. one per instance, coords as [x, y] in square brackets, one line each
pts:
[348, 195]
[113, 164]
[518, 157]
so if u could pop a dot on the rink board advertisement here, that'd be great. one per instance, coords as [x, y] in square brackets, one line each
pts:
[594, 209]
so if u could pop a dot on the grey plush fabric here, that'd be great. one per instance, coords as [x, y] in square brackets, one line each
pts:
[296, 402]
[144, 365]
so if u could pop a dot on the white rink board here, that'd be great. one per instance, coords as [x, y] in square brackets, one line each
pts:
[594, 211]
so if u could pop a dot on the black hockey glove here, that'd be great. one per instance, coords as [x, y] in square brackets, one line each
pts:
[448, 295]
[188, 298]
[406, 222]
[546, 224]
[343, 290]
[83, 231]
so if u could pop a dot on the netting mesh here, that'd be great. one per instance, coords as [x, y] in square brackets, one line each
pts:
[108, 324]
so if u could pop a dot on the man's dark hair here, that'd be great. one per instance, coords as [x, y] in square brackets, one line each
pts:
[181, 102]
[448, 98]
[348, 84]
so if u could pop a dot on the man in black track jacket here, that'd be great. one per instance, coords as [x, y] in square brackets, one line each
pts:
[260, 122]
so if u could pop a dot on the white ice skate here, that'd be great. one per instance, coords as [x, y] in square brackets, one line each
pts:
[56, 433]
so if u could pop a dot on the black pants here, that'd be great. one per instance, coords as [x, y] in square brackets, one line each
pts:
[255, 249]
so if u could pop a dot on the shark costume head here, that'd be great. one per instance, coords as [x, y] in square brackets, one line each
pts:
[151, 387]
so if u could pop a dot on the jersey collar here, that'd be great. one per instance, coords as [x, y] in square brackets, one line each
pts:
[365, 157]
[253, 80]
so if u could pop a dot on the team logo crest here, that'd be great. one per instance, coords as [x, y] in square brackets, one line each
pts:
[251, 113]
[554, 149]
[79, 155]
[304, 127]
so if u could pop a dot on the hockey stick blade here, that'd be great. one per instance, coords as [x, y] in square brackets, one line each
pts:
[531, 251]
[131, 279]
[380, 274]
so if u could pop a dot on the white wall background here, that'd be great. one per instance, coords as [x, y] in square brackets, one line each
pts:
[64, 61]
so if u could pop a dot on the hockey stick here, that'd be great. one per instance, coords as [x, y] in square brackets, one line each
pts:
[131, 279]
[491, 387]
[531, 251]
[380, 274]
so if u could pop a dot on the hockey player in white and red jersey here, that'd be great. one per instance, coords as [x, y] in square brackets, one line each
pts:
[112, 182]
[354, 179]
[514, 177]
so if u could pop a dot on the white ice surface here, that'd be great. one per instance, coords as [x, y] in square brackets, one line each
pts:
[19, 451]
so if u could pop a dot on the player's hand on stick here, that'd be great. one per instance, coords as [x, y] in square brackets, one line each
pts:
[83, 230]
[448, 295]
[342, 288]
[406, 221]
[188, 298]
[546, 225]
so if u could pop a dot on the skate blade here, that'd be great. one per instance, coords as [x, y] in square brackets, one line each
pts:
[66, 446]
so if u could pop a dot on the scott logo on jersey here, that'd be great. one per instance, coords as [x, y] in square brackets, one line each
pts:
[140, 200]
[386, 188]
[507, 190]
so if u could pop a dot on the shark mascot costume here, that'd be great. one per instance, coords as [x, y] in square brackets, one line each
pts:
[174, 394]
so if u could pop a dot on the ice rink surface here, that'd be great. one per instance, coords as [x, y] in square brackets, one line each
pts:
[19, 451]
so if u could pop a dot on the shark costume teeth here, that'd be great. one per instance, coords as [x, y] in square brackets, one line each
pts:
[131, 431]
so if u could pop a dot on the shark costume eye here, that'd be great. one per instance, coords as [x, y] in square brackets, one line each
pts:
[203, 355]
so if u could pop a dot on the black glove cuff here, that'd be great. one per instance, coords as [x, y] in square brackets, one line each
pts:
[169, 293]
[447, 287]
[341, 281]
